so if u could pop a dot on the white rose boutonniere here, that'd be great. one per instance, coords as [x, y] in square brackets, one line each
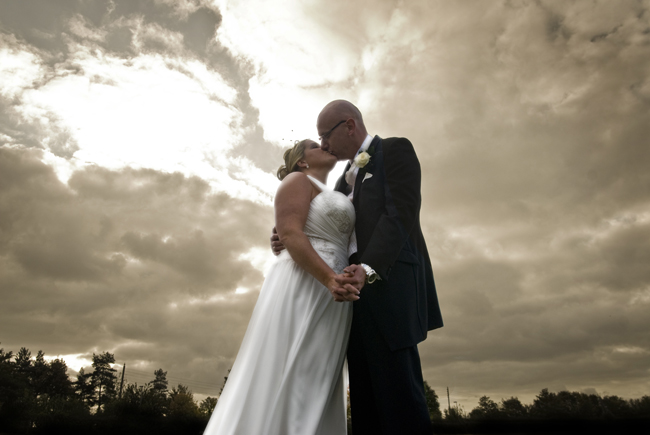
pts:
[362, 159]
[359, 162]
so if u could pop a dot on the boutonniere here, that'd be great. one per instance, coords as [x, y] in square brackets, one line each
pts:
[362, 159]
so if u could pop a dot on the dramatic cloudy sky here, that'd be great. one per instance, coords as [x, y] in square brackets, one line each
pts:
[139, 141]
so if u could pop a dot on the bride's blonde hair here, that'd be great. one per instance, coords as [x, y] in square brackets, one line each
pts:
[291, 158]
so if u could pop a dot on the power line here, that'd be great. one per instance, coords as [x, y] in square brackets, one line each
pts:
[174, 379]
[145, 378]
[148, 376]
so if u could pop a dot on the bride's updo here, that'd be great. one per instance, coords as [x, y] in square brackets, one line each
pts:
[291, 158]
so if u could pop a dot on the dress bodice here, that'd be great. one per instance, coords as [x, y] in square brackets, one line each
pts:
[329, 226]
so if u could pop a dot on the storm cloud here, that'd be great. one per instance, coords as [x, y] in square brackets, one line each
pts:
[139, 142]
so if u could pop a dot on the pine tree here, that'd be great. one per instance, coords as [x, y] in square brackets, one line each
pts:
[84, 388]
[5, 357]
[159, 384]
[57, 383]
[104, 378]
[39, 374]
[23, 363]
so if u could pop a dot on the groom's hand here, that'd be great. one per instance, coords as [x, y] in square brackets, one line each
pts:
[342, 293]
[353, 275]
[346, 293]
[276, 245]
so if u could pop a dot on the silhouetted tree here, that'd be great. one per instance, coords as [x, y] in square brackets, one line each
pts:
[139, 401]
[5, 357]
[513, 409]
[104, 379]
[84, 388]
[20, 402]
[23, 363]
[207, 406]
[159, 383]
[567, 405]
[57, 382]
[487, 409]
[181, 402]
[33, 391]
[455, 414]
[615, 407]
[39, 374]
[433, 403]
[640, 408]
[7, 380]
[225, 379]
[545, 405]
[15, 401]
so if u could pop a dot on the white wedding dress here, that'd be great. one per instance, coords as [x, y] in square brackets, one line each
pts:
[288, 375]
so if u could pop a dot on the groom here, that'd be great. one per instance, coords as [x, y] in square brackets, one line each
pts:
[399, 304]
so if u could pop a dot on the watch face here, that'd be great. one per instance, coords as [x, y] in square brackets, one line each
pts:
[372, 278]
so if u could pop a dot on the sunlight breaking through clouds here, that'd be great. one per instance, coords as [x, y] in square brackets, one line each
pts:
[146, 111]
[153, 110]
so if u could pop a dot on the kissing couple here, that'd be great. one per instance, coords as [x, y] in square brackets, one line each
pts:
[352, 277]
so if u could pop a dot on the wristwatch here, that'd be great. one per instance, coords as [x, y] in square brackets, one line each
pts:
[371, 275]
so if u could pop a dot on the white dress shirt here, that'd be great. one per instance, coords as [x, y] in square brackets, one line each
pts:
[352, 247]
[364, 147]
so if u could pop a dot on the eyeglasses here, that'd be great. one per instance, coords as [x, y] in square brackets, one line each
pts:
[327, 134]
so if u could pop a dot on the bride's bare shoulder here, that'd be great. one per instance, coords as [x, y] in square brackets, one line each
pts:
[294, 184]
[295, 177]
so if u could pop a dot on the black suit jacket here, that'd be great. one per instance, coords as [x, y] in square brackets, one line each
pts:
[404, 303]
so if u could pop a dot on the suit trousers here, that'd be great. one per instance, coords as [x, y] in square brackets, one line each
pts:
[386, 387]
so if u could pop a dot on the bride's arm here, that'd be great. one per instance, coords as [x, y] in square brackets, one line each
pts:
[292, 203]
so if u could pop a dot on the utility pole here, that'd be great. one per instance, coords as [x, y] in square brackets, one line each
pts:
[122, 383]
[448, 401]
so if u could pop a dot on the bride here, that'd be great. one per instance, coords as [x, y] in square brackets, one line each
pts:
[287, 377]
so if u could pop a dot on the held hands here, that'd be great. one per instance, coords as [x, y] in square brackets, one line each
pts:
[276, 245]
[349, 283]
[353, 275]
[342, 292]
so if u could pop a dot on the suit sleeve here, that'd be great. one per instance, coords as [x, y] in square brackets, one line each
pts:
[403, 176]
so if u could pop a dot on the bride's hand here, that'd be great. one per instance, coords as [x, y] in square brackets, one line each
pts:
[353, 275]
[342, 293]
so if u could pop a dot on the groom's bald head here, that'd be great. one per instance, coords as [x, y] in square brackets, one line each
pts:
[344, 109]
[341, 129]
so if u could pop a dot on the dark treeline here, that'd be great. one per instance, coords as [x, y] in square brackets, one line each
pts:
[38, 397]
[563, 412]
